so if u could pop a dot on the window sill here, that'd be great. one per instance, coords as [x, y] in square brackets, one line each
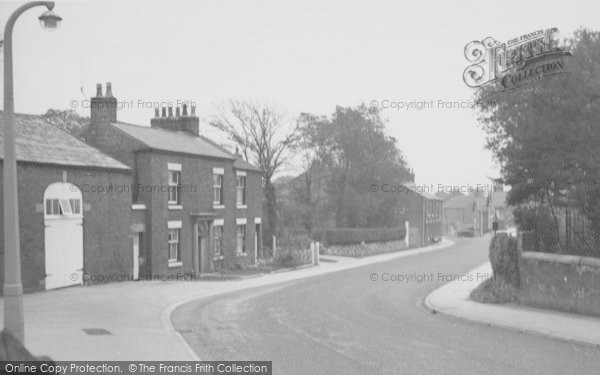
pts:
[242, 206]
[221, 257]
[175, 207]
[218, 206]
[242, 254]
[175, 264]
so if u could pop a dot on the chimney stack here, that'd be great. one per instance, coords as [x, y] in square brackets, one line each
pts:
[103, 108]
[180, 122]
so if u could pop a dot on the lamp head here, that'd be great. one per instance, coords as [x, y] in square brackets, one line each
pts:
[50, 20]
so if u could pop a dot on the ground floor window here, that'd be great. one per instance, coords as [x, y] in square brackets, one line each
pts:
[241, 239]
[174, 254]
[218, 240]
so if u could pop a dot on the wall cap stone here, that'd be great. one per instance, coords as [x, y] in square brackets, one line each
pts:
[561, 258]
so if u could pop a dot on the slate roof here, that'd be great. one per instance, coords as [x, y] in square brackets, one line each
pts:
[242, 164]
[40, 142]
[181, 142]
[419, 190]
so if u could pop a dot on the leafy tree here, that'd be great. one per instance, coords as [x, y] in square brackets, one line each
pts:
[352, 151]
[546, 136]
[67, 120]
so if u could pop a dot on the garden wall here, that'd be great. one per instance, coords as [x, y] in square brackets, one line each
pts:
[562, 282]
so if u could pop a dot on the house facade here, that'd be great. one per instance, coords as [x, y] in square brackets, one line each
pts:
[466, 215]
[71, 231]
[198, 206]
[423, 213]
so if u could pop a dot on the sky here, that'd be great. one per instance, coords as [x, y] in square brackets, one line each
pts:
[299, 56]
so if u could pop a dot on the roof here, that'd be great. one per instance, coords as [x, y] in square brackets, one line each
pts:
[181, 142]
[498, 199]
[240, 163]
[418, 189]
[173, 141]
[37, 141]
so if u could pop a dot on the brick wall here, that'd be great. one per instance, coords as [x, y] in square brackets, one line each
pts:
[561, 282]
[107, 243]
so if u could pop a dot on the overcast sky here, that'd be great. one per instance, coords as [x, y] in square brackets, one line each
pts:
[301, 56]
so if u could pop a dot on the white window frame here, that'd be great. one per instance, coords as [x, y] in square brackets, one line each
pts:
[219, 223]
[244, 250]
[238, 175]
[174, 225]
[221, 202]
[174, 167]
[64, 207]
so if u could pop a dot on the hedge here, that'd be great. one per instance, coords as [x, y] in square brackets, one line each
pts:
[350, 236]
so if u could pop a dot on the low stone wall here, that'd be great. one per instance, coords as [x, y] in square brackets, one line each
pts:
[361, 250]
[561, 282]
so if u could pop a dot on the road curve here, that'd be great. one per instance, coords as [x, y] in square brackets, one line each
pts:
[346, 323]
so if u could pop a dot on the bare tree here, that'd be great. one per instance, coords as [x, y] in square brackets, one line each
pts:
[264, 136]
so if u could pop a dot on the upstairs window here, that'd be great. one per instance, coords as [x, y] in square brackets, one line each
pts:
[174, 185]
[241, 190]
[218, 187]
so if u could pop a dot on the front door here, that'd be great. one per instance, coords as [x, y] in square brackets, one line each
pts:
[63, 235]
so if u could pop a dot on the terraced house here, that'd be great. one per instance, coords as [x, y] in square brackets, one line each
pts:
[196, 207]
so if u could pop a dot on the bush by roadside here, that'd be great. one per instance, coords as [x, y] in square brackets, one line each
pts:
[494, 291]
[353, 236]
[503, 287]
[364, 249]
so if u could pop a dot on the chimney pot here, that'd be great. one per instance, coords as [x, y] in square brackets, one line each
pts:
[170, 111]
[164, 112]
[177, 112]
[156, 112]
[99, 90]
[109, 90]
[185, 110]
[193, 110]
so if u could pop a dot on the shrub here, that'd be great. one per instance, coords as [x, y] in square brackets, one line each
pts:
[350, 236]
[504, 257]
[292, 257]
[493, 291]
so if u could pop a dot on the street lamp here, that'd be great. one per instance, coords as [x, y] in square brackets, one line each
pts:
[13, 289]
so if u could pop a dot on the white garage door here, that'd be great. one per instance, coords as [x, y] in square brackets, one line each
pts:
[63, 219]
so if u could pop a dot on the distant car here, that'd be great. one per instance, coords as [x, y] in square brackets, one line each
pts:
[469, 232]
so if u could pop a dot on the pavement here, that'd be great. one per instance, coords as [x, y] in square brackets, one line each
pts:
[132, 320]
[371, 320]
[453, 299]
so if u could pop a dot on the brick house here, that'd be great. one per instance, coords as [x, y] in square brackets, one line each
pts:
[423, 213]
[201, 205]
[67, 227]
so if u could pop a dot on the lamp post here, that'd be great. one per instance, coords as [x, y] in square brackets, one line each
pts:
[13, 289]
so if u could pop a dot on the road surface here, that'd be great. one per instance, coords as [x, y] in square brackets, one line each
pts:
[346, 323]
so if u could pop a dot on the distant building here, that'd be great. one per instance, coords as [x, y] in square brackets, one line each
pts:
[499, 210]
[198, 207]
[74, 217]
[466, 215]
[423, 212]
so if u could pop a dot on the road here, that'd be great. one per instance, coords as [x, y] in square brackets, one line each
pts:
[345, 323]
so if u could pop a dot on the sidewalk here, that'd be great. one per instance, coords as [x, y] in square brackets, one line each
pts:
[453, 299]
[132, 320]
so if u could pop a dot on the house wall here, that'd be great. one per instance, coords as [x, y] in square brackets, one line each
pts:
[106, 224]
[196, 197]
